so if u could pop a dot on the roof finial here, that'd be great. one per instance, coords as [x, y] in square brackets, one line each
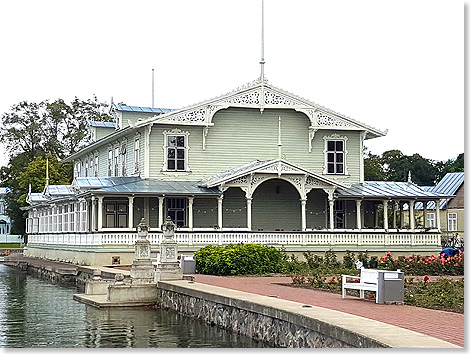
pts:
[409, 176]
[262, 42]
[279, 143]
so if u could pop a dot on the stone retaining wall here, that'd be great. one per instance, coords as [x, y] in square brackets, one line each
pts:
[268, 324]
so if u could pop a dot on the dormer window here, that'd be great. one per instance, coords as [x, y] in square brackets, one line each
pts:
[176, 151]
[116, 161]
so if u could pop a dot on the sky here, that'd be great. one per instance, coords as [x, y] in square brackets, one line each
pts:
[395, 65]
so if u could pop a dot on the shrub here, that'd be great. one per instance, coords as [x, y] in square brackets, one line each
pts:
[239, 259]
[349, 260]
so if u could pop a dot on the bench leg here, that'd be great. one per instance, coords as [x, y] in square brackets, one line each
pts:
[361, 294]
[343, 293]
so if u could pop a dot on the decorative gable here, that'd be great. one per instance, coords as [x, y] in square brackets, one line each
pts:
[261, 95]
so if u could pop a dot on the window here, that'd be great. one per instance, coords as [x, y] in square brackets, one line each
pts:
[110, 162]
[452, 221]
[124, 159]
[335, 157]
[136, 155]
[76, 172]
[96, 166]
[431, 221]
[116, 161]
[116, 214]
[176, 210]
[338, 212]
[176, 153]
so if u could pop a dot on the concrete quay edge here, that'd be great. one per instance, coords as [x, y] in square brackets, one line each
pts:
[312, 317]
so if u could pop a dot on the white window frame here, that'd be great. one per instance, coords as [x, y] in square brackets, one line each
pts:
[96, 166]
[110, 162]
[452, 222]
[124, 159]
[343, 139]
[166, 147]
[431, 220]
[116, 161]
[137, 155]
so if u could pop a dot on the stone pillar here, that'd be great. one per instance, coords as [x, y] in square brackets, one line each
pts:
[160, 211]
[358, 214]
[142, 270]
[220, 200]
[190, 212]
[248, 212]
[411, 208]
[385, 204]
[332, 214]
[131, 212]
[303, 204]
[438, 215]
[169, 267]
[100, 213]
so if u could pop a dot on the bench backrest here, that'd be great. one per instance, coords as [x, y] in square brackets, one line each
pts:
[369, 276]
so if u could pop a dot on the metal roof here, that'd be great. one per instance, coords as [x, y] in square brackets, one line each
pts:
[37, 197]
[92, 123]
[58, 190]
[140, 109]
[4, 190]
[383, 189]
[100, 182]
[160, 187]
[449, 184]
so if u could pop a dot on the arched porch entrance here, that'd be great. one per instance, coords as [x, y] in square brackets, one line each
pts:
[276, 207]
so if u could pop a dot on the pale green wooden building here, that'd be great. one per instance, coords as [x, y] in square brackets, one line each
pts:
[258, 164]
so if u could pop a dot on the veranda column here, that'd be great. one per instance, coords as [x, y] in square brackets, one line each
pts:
[219, 211]
[248, 213]
[425, 213]
[412, 214]
[190, 208]
[100, 213]
[332, 221]
[131, 212]
[438, 215]
[395, 209]
[93, 216]
[160, 211]
[303, 204]
[402, 219]
[358, 214]
[385, 204]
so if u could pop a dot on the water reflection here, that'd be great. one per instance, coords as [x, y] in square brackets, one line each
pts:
[35, 313]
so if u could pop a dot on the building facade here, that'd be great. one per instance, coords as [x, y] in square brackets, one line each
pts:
[258, 164]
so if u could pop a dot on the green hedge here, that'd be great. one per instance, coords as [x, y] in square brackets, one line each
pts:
[239, 259]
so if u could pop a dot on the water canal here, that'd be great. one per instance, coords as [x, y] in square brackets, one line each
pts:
[36, 313]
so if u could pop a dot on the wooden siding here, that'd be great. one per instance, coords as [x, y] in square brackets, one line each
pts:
[317, 212]
[240, 136]
[276, 205]
[204, 212]
[234, 208]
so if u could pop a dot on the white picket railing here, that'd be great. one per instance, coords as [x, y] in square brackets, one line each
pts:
[197, 238]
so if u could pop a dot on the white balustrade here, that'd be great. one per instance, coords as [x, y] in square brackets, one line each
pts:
[200, 238]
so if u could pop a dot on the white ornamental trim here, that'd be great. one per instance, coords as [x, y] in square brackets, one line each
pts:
[326, 120]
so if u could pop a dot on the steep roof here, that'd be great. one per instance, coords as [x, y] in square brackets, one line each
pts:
[448, 185]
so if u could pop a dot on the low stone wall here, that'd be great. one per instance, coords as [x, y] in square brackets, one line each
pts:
[280, 328]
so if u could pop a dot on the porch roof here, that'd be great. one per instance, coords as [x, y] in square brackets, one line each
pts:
[158, 187]
[385, 189]
[100, 182]
[277, 166]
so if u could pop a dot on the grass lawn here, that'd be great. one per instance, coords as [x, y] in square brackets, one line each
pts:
[10, 245]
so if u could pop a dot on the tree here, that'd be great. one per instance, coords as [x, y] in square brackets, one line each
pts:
[373, 169]
[33, 132]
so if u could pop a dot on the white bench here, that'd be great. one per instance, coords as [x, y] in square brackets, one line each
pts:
[376, 280]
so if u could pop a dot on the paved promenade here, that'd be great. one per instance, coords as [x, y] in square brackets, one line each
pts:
[443, 325]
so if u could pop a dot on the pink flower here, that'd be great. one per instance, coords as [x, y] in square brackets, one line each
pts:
[407, 266]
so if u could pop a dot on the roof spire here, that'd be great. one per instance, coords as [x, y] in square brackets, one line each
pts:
[47, 172]
[279, 143]
[409, 177]
[262, 42]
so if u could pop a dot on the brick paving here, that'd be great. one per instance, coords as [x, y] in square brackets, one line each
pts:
[447, 326]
